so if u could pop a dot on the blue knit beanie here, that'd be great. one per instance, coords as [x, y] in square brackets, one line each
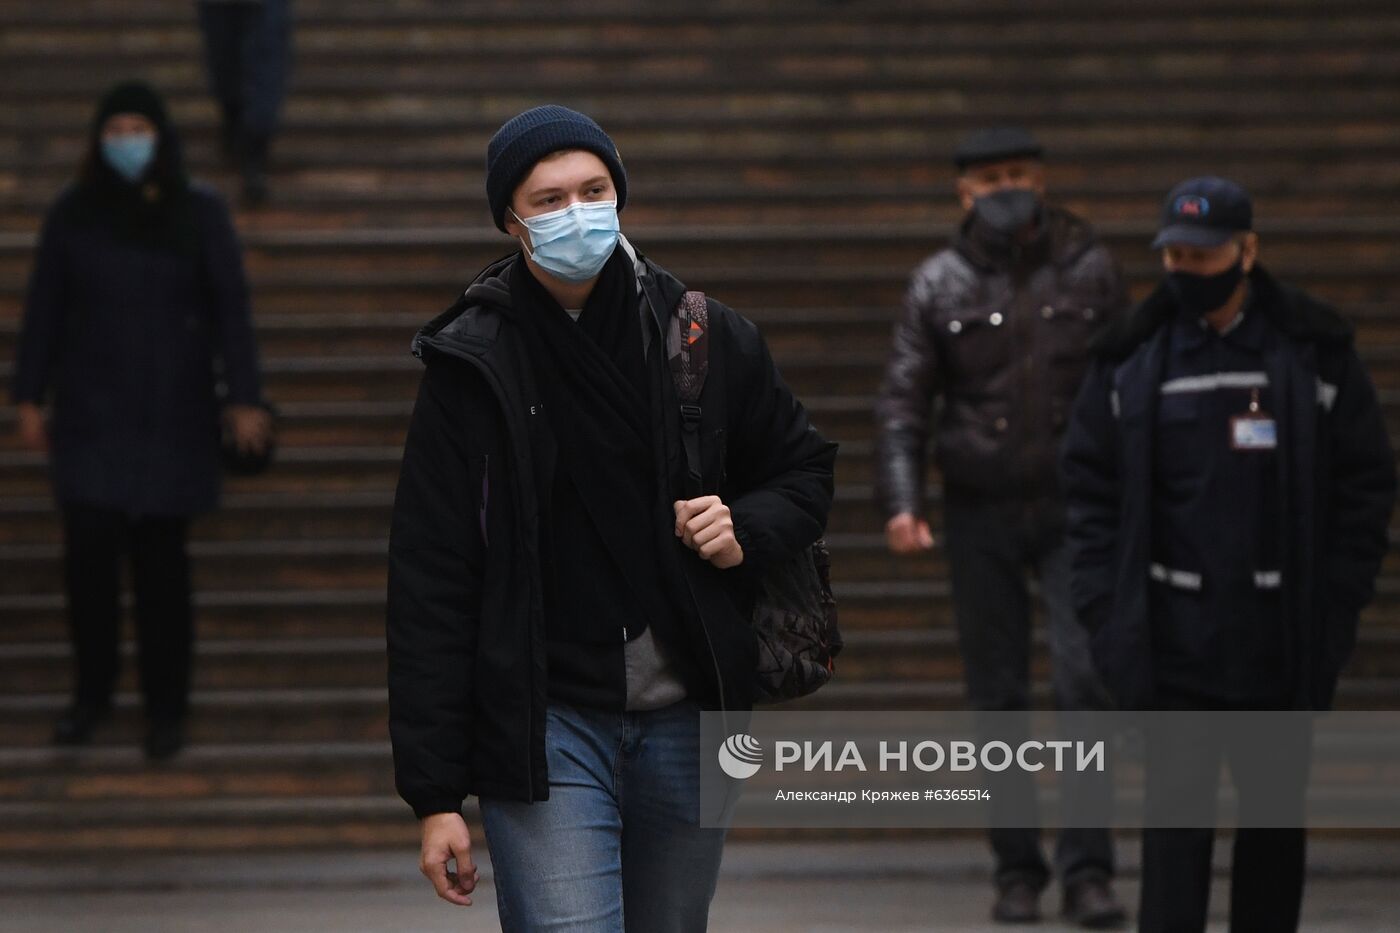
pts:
[525, 139]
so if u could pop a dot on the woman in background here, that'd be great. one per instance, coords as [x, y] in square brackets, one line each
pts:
[137, 289]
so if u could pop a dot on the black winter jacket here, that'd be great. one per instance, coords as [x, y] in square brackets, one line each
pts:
[1336, 474]
[1002, 336]
[465, 626]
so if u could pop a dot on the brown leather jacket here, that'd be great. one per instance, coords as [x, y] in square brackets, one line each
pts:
[1000, 335]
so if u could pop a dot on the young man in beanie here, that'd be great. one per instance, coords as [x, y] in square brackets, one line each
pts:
[1230, 484]
[561, 607]
[997, 326]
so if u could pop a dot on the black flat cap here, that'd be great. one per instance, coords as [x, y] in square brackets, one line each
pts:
[995, 144]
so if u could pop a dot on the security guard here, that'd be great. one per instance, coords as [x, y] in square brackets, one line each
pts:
[1229, 484]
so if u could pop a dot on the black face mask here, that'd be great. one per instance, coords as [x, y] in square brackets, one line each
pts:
[1008, 210]
[1201, 294]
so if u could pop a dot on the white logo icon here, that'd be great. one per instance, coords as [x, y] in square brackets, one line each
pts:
[741, 756]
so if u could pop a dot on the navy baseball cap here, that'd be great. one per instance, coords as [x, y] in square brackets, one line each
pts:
[1204, 212]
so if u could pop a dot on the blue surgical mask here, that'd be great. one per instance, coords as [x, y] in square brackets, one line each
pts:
[130, 154]
[574, 243]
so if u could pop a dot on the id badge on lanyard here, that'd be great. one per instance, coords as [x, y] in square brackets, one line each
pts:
[1254, 430]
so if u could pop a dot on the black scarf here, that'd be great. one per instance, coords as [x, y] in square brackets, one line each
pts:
[604, 570]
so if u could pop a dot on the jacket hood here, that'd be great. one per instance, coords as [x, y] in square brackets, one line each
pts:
[488, 290]
[1293, 311]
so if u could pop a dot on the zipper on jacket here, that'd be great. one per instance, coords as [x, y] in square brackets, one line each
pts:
[485, 497]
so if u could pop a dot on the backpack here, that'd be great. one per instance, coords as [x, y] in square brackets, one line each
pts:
[794, 617]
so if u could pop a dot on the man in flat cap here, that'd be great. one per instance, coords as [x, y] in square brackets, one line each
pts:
[997, 329]
[1229, 484]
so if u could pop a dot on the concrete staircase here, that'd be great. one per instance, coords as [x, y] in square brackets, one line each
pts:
[788, 157]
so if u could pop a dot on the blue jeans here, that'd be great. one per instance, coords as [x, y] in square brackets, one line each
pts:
[617, 846]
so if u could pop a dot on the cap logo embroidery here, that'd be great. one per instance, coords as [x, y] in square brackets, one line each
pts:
[1191, 205]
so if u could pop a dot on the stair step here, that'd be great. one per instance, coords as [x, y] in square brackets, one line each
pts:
[295, 352]
[235, 812]
[350, 514]
[221, 664]
[221, 716]
[871, 656]
[1278, 180]
[85, 14]
[430, 292]
[313, 832]
[439, 244]
[616, 105]
[790, 71]
[404, 143]
[114, 772]
[365, 378]
[645, 29]
[329, 563]
[322, 715]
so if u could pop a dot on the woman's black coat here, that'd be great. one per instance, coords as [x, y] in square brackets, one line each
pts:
[123, 334]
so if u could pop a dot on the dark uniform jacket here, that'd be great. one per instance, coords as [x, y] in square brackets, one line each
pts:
[1001, 333]
[1335, 488]
[466, 633]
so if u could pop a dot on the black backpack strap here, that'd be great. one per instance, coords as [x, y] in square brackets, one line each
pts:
[688, 352]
